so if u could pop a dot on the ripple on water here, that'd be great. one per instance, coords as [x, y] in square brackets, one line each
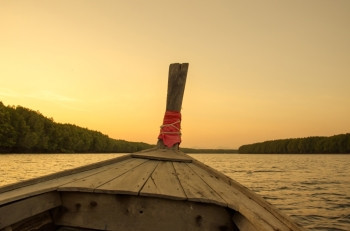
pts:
[313, 189]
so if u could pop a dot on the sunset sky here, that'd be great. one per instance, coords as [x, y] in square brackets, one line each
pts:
[258, 70]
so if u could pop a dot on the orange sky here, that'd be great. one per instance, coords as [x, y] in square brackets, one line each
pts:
[259, 70]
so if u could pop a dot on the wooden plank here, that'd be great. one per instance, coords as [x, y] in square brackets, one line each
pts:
[62, 174]
[163, 154]
[73, 229]
[8, 228]
[129, 213]
[90, 183]
[194, 187]
[40, 222]
[132, 181]
[176, 86]
[29, 207]
[48, 186]
[164, 183]
[255, 213]
[242, 223]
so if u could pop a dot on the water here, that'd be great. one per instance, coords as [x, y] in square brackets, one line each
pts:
[19, 167]
[313, 189]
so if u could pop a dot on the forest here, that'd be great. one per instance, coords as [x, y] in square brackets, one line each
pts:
[26, 131]
[23, 130]
[309, 145]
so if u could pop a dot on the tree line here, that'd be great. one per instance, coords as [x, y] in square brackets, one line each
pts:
[26, 131]
[310, 145]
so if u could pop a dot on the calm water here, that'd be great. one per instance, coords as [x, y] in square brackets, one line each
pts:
[313, 189]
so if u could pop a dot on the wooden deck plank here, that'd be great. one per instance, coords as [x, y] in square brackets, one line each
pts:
[194, 187]
[164, 183]
[47, 186]
[256, 214]
[18, 211]
[163, 154]
[90, 183]
[40, 222]
[132, 181]
[242, 223]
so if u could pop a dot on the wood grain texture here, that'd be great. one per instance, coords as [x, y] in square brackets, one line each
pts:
[130, 182]
[176, 86]
[164, 183]
[194, 187]
[242, 223]
[40, 222]
[20, 210]
[90, 183]
[163, 154]
[73, 229]
[129, 213]
[8, 228]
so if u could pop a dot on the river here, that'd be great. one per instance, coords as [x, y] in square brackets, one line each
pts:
[313, 189]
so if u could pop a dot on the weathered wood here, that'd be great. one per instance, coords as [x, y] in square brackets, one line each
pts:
[57, 175]
[163, 154]
[242, 223]
[74, 229]
[50, 185]
[132, 181]
[40, 222]
[90, 183]
[176, 86]
[20, 210]
[124, 212]
[255, 213]
[164, 183]
[8, 228]
[194, 187]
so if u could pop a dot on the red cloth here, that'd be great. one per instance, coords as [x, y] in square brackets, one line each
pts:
[170, 130]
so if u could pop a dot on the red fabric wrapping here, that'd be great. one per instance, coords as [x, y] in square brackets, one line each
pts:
[170, 130]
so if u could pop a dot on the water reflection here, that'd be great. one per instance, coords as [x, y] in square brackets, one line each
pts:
[19, 167]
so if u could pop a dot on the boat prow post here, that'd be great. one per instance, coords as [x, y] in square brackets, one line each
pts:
[156, 189]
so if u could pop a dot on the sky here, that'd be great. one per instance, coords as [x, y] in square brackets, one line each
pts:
[258, 70]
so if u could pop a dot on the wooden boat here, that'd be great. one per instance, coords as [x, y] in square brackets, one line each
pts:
[156, 189]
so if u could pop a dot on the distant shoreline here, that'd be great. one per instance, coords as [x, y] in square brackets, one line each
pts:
[23, 130]
[337, 144]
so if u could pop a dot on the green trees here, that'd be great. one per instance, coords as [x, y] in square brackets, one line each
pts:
[26, 131]
[8, 134]
[333, 144]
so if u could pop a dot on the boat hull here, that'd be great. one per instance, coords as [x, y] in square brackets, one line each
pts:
[150, 190]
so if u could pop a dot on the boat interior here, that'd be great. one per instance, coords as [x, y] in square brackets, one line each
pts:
[155, 189]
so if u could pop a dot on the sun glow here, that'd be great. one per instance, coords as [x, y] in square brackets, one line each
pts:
[257, 71]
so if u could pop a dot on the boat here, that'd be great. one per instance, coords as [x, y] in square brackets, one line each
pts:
[161, 188]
